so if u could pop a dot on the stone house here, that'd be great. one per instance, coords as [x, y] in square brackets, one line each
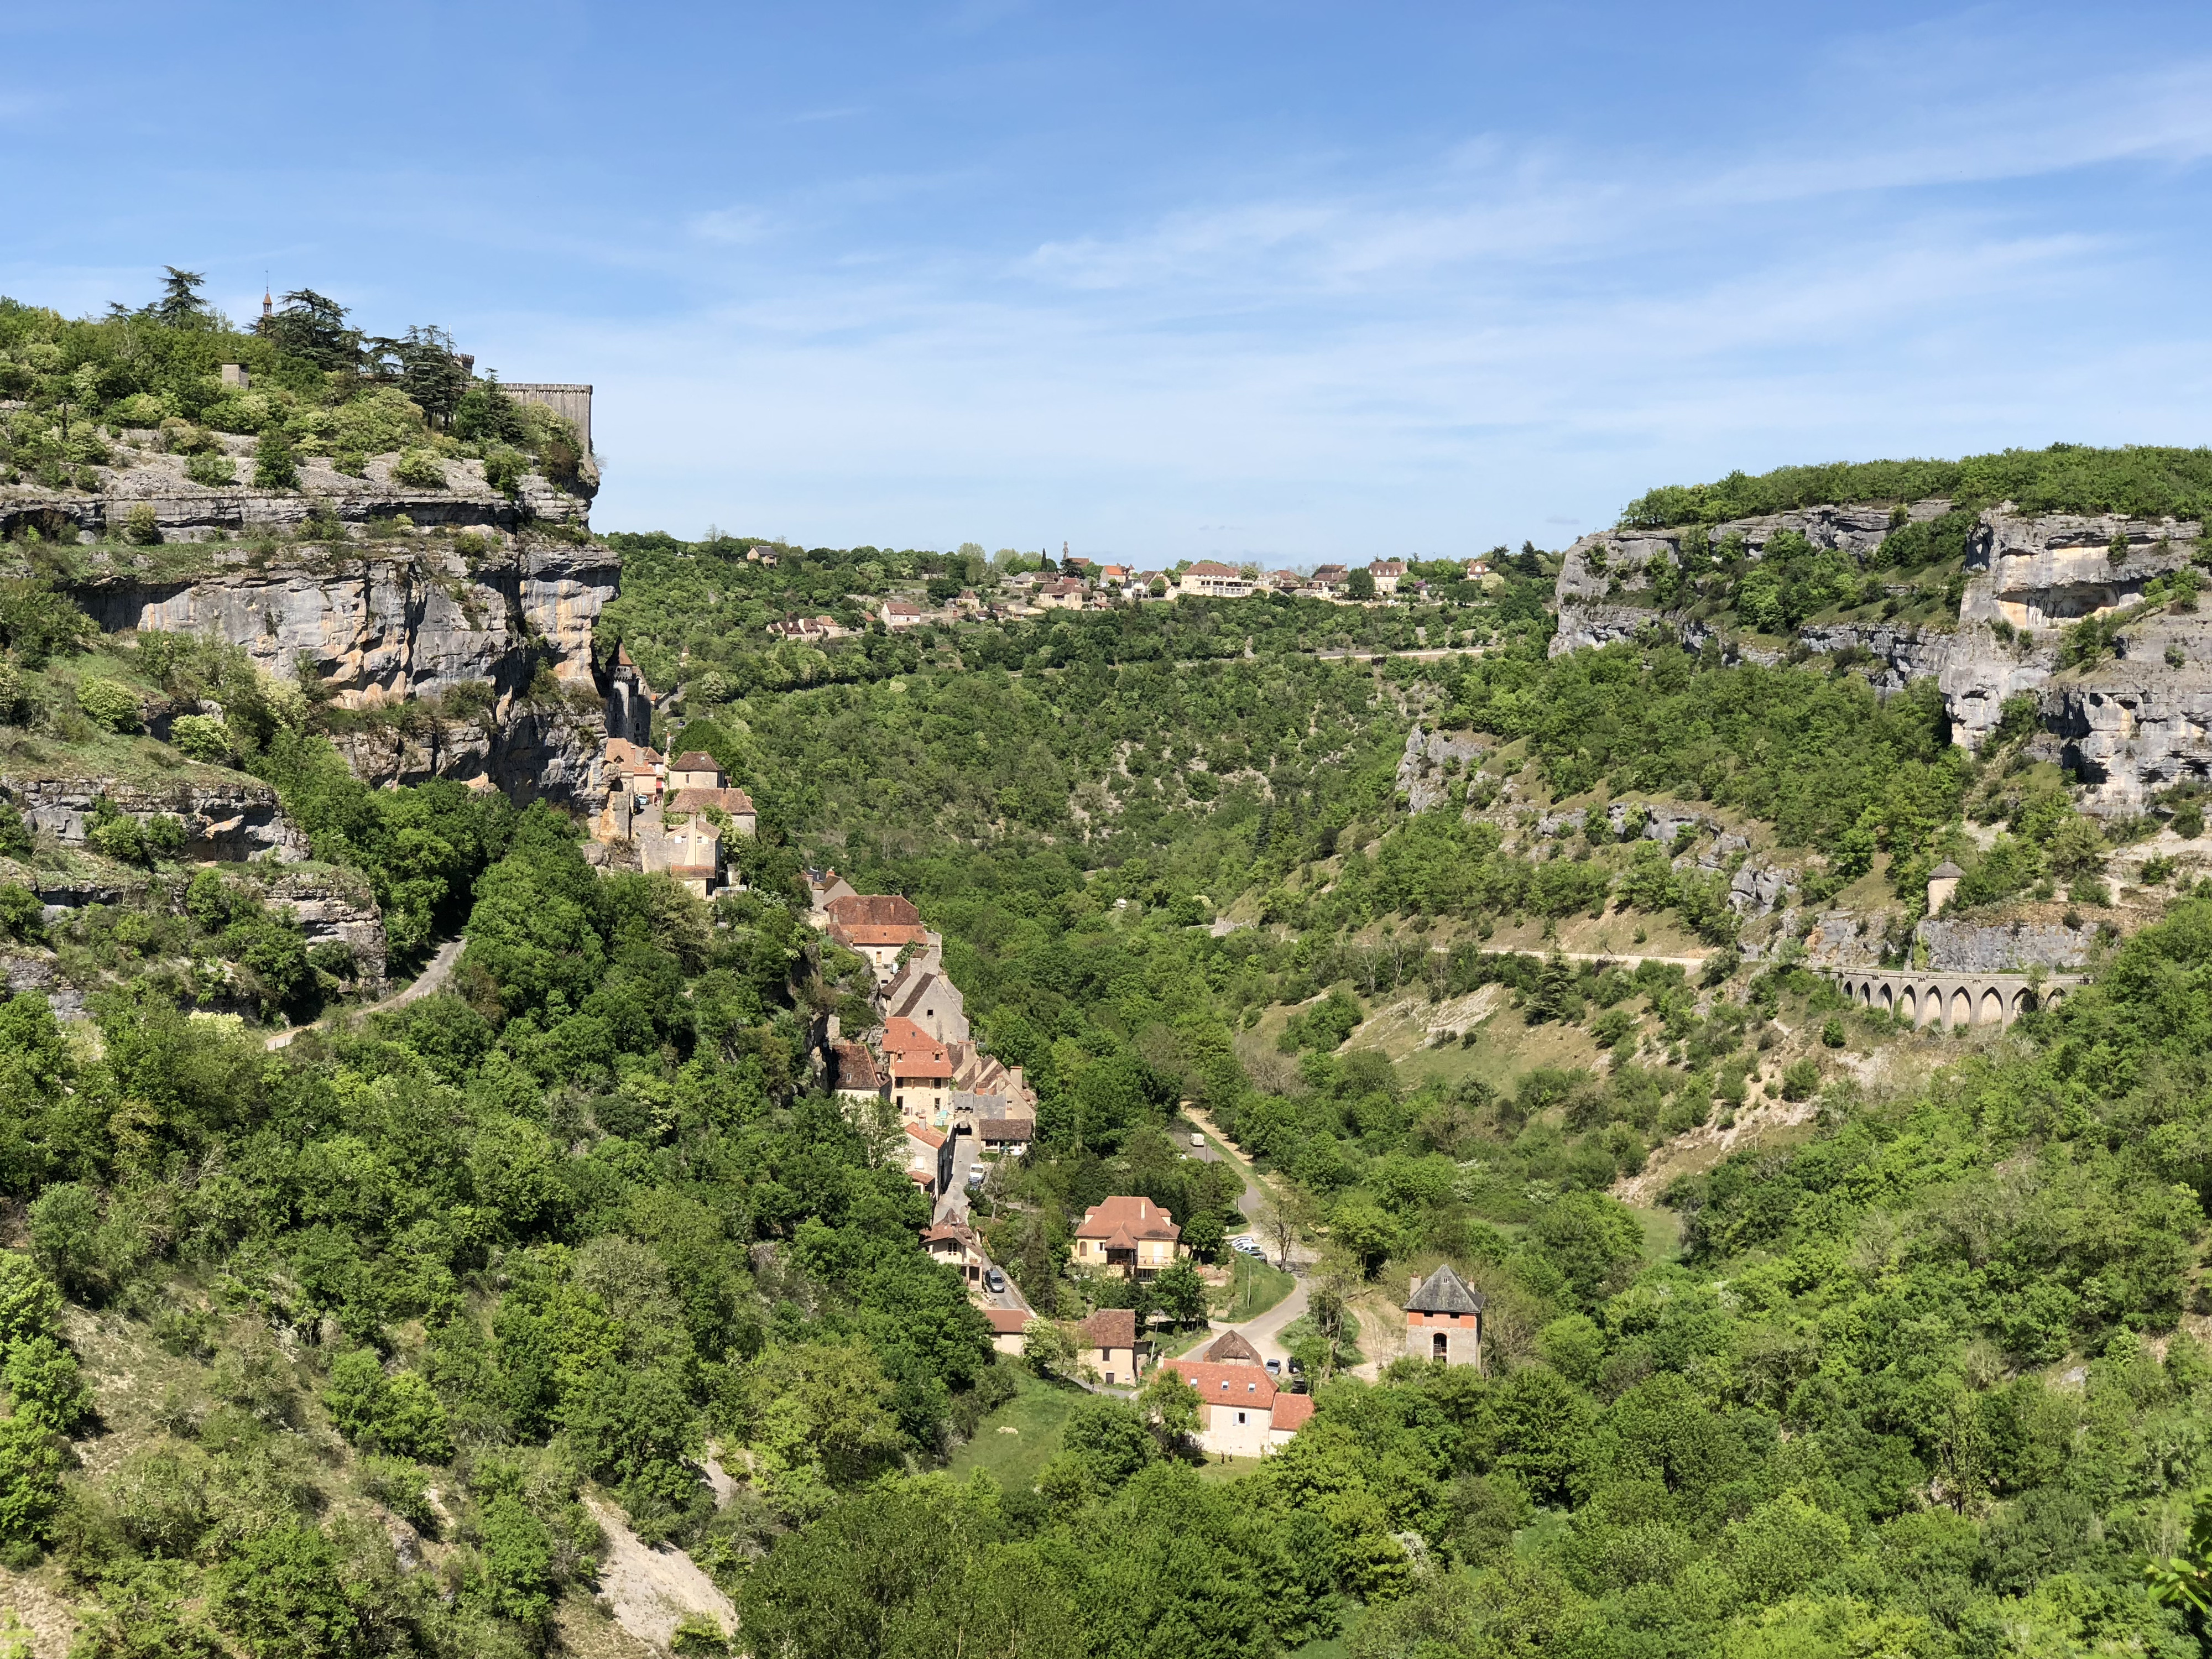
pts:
[1009, 1327]
[1388, 574]
[856, 1075]
[877, 928]
[1241, 1412]
[902, 613]
[1131, 1236]
[928, 1158]
[1061, 594]
[921, 1073]
[956, 1246]
[1217, 581]
[1443, 1320]
[919, 992]
[1110, 1343]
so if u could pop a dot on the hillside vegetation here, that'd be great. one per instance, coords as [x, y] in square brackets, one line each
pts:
[1806, 1334]
[2144, 481]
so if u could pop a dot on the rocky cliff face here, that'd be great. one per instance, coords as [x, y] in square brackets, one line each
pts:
[2129, 726]
[227, 818]
[401, 602]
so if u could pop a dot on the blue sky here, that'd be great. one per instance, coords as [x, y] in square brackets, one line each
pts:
[1280, 282]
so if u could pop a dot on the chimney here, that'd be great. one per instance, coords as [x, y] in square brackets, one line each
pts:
[1412, 1284]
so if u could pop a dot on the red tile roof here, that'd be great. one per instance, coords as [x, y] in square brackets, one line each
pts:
[907, 1046]
[1009, 1322]
[928, 1138]
[696, 760]
[1223, 1385]
[875, 910]
[1111, 1328]
[1134, 1218]
[1292, 1412]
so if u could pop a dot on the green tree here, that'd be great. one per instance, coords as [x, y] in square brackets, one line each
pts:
[1182, 1292]
[1111, 1438]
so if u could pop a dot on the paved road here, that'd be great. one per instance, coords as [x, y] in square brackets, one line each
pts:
[1256, 1191]
[1264, 1331]
[432, 979]
[953, 1208]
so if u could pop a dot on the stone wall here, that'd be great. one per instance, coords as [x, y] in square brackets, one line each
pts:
[572, 404]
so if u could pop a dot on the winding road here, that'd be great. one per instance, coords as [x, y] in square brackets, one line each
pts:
[430, 981]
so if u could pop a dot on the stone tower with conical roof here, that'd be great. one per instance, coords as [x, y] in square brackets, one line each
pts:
[1443, 1320]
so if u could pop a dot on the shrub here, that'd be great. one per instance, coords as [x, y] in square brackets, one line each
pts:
[275, 465]
[201, 736]
[2188, 821]
[31, 1462]
[109, 704]
[15, 834]
[141, 527]
[1832, 1032]
[22, 916]
[285, 1594]
[1801, 1078]
[44, 1378]
[376, 423]
[354, 463]
[399, 1414]
[418, 469]
[211, 469]
[30, 1306]
[504, 469]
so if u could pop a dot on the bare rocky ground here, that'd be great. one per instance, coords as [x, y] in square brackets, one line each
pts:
[650, 1591]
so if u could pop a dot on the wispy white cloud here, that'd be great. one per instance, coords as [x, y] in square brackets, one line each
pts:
[732, 226]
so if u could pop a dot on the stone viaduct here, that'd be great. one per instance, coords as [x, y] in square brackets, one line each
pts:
[1927, 997]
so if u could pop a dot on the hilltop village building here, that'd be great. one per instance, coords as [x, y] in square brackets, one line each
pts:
[1134, 1237]
[919, 1057]
[676, 818]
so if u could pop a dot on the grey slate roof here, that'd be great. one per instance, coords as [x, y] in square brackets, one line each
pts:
[1445, 1291]
[1946, 871]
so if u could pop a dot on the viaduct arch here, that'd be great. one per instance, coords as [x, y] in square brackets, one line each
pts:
[1926, 997]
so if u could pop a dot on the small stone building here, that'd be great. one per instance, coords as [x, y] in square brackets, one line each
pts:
[1443, 1320]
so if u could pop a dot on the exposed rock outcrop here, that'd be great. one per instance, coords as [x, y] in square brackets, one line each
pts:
[227, 818]
[1430, 763]
[2135, 723]
[1968, 947]
[460, 620]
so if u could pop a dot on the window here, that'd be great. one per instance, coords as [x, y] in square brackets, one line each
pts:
[1440, 1346]
[1110, 1376]
[1240, 1419]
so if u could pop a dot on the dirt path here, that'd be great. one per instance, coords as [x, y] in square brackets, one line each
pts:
[430, 981]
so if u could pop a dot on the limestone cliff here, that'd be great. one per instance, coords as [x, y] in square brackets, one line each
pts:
[2129, 726]
[449, 627]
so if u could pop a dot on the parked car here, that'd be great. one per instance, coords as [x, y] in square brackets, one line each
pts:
[994, 1281]
[1275, 1368]
[1198, 1141]
[1245, 1244]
